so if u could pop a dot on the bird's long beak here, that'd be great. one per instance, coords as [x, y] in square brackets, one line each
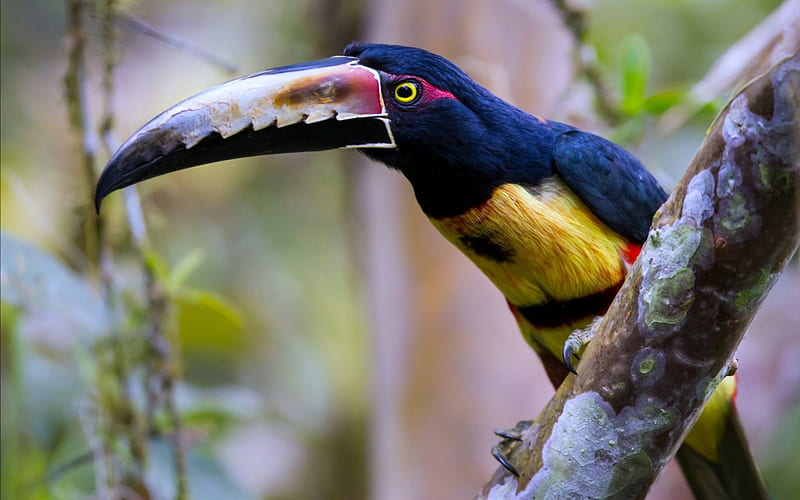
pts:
[325, 104]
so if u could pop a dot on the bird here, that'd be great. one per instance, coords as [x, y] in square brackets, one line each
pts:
[553, 215]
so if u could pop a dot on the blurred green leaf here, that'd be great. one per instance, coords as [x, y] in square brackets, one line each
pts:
[157, 266]
[660, 102]
[58, 305]
[40, 389]
[209, 419]
[185, 267]
[214, 410]
[208, 322]
[635, 67]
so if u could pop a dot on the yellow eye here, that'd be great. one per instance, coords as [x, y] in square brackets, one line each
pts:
[406, 92]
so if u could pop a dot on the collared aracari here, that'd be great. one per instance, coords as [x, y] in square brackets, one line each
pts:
[553, 216]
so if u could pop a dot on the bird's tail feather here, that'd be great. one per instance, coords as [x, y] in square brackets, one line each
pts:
[734, 477]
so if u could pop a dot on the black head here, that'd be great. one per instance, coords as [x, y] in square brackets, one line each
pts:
[455, 140]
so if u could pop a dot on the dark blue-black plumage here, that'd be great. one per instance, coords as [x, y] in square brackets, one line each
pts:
[457, 151]
[610, 181]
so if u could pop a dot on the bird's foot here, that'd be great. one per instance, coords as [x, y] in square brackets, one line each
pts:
[733, 365]
[576, 341]
[511, 437]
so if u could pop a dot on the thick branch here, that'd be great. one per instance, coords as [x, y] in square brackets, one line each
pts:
[717, 246]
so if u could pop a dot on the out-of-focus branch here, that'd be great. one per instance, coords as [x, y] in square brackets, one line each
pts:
[113, 419]
[772, 39]
[160, 374]
[80, 121]
[717, 246]
[173, 41]
[108, 479]
[586, 61]
[110, 39]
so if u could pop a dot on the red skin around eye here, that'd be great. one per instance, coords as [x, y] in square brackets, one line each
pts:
[429, 92]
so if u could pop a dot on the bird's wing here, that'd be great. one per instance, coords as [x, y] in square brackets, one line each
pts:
[611, 182]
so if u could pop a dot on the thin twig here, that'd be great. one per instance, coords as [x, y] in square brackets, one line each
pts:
[777, 29]
[69, 465]
[109, 38]
[199, 52]
[92, 418]
[77, 108]
[133, 207]
[107, 479]
[160, 377]
[575, 20]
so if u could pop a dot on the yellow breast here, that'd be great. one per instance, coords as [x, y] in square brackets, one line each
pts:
[538, 243]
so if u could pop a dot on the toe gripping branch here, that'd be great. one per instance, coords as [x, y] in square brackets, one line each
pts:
[511, 437]
[575, 343]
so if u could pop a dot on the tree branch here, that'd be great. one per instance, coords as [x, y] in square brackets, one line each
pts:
[586, 61]
[717, 246]
[174, 41]
[113, 421]
[80, 122]
[763, 46]
[161, 375]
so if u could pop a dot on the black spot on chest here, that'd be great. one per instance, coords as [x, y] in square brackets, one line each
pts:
[488, 246]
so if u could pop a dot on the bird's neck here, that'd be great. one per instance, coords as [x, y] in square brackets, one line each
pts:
[443, 189]
[516, 149]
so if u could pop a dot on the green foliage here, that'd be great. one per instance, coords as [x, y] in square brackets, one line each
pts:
[50, 315]
[660, 102]
[635, 69]
[71, 367]
[636, 106]
[208, 321]
[65, 305]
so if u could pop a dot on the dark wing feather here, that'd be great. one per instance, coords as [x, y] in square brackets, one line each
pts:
[612, 182]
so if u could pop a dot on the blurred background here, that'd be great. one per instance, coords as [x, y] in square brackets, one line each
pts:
[292, 326]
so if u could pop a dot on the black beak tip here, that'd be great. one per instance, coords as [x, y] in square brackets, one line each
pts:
[106, 183]
[98, 199]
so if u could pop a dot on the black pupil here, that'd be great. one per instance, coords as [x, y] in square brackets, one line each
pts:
[405, 91]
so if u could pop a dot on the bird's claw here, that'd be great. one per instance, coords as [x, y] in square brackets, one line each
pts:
[733, 365]
[511, 437]
[512, 434]
[571, 349]
[576, 341]
[500, 456]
